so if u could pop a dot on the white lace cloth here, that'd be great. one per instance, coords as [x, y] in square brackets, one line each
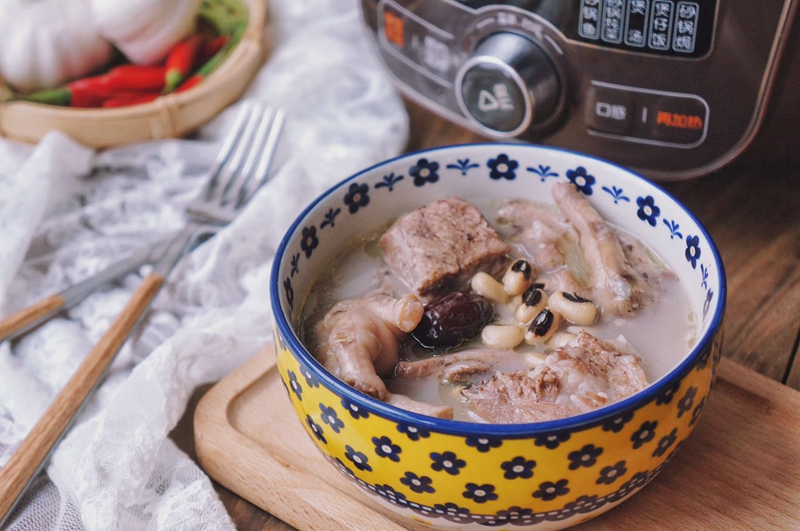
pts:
[66, 212]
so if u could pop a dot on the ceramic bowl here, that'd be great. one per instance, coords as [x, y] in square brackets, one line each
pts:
[451, 474]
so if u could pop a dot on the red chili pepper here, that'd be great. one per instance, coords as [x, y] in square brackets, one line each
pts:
[136, 77]
[86, 92]
[189, 83]
[133, 98]
[210, 49]
[180, 60]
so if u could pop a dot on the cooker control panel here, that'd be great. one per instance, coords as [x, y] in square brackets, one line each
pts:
[673, 88]
[508, 85]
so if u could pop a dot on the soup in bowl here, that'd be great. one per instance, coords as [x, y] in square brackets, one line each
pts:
[498, 334]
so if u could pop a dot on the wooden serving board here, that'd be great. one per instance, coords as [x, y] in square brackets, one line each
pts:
[740, 469]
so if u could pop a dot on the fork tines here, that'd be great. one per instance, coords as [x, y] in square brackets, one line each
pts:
[244, 161]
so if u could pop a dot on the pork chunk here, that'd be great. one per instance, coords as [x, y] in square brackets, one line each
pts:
[437, 248]
[585, 374]
[544, 232]
[456, 367]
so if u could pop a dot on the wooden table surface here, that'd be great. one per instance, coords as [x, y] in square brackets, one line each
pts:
[752, 212]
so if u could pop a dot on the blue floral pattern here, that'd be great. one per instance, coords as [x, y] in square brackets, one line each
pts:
[483, 444]
[502, 167]
[585, 457]
[518, 468]
[447, 462]
[413, 432]
[610, 474]
[287, 288]
[389, 181]
[418, 484]
[687, 401]
[424, 172]
[295, 385]
[551, 490]
[311, 380]
[698, 409]
[295, 262]
[673, 229]
[330, 217]
[384, 447]
[479, 493]
[357, 197]
[581, 179]
[693, 250]
[316, 429]
[616, 193]
[665, 443]
[309, 241]
[648, 211]
[644, 434]
[617, 423]
[543, 172]
[360, 460]
[355, 410]
[463, 165]
[551, 441]
[331, 418]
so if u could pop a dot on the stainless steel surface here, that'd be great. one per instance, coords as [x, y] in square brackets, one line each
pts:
[732, 74]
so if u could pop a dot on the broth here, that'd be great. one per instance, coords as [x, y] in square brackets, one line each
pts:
[662, 332]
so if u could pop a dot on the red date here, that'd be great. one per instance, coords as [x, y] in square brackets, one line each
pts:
[455, 318]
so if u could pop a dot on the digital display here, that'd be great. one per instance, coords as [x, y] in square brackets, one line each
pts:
[680, 28]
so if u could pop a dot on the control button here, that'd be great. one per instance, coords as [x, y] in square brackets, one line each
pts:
[677, 120]
[493, 97]
[508, 85]
[394, 29]
[610, 110]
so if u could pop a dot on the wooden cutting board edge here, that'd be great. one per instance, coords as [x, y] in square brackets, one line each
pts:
[281, 487]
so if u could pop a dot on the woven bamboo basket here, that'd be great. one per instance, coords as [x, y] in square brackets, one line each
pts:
[171, 115]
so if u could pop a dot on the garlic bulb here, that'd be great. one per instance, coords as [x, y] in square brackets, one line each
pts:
[145, 30]
[44, 43]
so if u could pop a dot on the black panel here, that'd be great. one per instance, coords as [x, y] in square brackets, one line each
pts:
[678, 28]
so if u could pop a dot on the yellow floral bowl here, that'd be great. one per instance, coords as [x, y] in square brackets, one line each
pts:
[450, 474]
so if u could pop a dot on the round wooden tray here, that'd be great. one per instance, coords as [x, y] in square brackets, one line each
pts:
[168, 116]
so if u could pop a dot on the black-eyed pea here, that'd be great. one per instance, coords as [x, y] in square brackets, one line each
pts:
[518, 277]
[502, 336]
[573, 307]
[559, 339]
[534, 300]
[484, 284]
[543, 326]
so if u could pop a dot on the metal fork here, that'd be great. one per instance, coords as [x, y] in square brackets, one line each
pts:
[240, 169]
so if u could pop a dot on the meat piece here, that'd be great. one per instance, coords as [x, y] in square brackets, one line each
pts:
[585, 374]
[564, 280]
[409, 404]
[517, 397]
[358, 340]
[617, 288]
[650, 267]
[456, 367]
[438, 247]
[542, 231]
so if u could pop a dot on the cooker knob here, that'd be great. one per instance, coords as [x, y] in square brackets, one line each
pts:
[508, 85]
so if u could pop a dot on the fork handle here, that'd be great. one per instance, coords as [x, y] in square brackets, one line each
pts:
[29, 317]
[28, 459]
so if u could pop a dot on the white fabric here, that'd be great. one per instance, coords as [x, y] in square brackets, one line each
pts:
[66, 211]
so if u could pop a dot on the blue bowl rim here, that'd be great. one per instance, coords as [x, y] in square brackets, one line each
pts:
[455, 427]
